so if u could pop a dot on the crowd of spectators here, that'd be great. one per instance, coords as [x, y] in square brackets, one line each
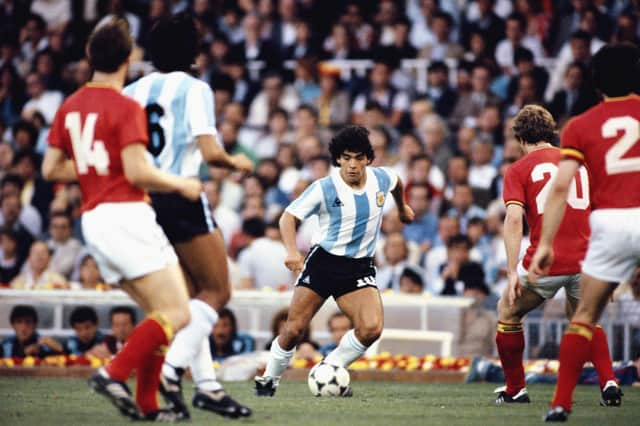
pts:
[282, 88]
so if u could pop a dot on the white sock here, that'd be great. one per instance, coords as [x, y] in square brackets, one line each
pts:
[278, 361]
[347, 351]
[202, 371]
[188, 341]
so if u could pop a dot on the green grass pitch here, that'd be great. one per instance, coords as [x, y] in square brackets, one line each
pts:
[46, 401]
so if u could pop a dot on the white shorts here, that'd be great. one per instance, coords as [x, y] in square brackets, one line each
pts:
[548, 286]
[126, 241]
[614, 248]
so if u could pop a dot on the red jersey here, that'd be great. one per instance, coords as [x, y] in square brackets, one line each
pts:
[527, 183]
[93, 126]
[605, 138]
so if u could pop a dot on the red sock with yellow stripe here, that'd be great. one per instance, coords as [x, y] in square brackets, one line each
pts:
[148, 336]
[148, 381]
[510, 343]
[600, 357]
[575, 350]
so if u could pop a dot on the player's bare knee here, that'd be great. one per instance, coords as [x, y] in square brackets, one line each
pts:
[294, 331]
[368, 333]
[508, 313]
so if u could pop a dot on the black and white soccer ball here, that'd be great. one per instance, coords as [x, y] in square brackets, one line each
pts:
[328, 380]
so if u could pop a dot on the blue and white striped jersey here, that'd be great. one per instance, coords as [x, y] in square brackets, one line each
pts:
[349, 219]
[179, 107]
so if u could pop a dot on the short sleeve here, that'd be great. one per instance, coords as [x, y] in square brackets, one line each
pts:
[571, 143]
[393, 177]
[200, 107]
[58, 137]
[308, 203]
[133, 126]
[513, 190]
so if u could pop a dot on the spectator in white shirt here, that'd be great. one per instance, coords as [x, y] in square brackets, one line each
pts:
[65, 248]
[45, 101]
[226, 218]
[515, 36]
[274, 94]
[481, 172]
[261, 262]
[396, 252]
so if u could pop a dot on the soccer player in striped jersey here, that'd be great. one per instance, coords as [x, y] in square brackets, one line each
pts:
[182, 134]
[349, 205]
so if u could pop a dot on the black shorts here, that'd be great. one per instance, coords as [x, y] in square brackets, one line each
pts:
[331, 275]
[182, 219]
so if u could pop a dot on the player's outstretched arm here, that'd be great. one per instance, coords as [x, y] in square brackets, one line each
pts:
[294, 260]
[512, 243]
[140, 172]
[406, 213]
[553, 213]
[57, 167]
[214, 155]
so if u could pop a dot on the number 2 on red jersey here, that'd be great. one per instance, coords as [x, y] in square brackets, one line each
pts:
[575, 200]
[87, 151]
[614, 162]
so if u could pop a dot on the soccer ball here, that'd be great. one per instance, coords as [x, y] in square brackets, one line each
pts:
[328, 380]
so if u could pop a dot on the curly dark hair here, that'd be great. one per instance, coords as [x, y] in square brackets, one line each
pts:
[353, 139]
[534, 124]
[174, 43]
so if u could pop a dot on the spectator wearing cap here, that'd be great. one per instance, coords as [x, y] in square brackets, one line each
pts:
[438, 91]
[26, 341]
[256, 273]
[84, 321]
[45, 101]
[333, 104]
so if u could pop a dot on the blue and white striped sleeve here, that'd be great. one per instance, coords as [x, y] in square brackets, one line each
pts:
[200, 107]
[308, 203]
[393, 177]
